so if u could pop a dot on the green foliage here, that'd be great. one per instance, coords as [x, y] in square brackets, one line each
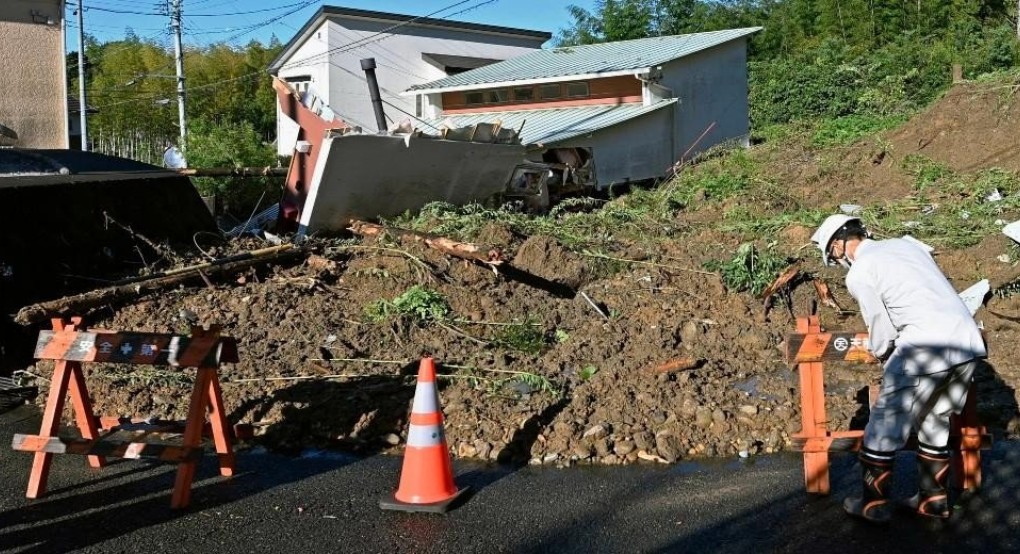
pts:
[525, 337]
[749, 269]
[955, 214]
[561, 336]
[753, 222]
[926, 171]
[231, 144]
[849, 129]
[417, 304]
[716, 179]
[588, 371]
[515, 380]
[131, 84]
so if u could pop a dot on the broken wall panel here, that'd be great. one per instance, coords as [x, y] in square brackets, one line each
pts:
[370, 176]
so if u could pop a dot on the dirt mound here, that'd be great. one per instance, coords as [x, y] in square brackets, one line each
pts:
[634, 352]
[974, 126]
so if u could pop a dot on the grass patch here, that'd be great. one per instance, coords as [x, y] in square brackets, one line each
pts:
[956, 214]
[846, 130]
[748, 221]
[750, 269]
[417, 304]
[524, 337]
[926, 171]
[716, 179]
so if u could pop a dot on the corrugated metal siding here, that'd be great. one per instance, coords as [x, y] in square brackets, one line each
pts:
[592, 58]
[556, 125]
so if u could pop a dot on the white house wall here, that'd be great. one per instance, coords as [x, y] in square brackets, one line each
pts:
[634, 150]
[399, 65]
[712, 88]
[316, 65]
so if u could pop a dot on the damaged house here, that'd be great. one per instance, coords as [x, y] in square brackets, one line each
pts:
[323, 60]
[606, 113]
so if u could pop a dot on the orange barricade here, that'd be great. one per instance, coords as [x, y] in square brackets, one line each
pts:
[809, 348]
[69, 344]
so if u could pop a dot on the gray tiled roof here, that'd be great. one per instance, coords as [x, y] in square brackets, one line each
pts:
[590, 59]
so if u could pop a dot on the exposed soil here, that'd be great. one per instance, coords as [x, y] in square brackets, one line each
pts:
[595, 393]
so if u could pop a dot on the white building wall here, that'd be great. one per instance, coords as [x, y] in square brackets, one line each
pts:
[712, 88]
[399, 65]
[309, 59]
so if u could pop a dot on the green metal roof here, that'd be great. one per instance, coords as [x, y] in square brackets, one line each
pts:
[555, 125]
[589, 59]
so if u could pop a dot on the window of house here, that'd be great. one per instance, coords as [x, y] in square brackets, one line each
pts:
[299, 82]
[548, 92]
[497, 96]
[524, 94]
[577, 90]
[473, 98]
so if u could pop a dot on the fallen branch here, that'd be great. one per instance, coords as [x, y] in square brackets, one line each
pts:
[232, 171]
[463, 250]
[135, 287]
[781, 282]
[822, 289]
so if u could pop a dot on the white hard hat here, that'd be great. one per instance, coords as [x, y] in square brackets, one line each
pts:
[827, 230]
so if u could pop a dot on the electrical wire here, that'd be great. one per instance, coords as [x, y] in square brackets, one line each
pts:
[315, 58]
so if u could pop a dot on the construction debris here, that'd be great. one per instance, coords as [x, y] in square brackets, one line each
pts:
[133, 288]
[825, 295]
[464, 250]
[779, 284]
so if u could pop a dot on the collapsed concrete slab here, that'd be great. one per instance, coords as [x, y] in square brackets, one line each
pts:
[360, 175]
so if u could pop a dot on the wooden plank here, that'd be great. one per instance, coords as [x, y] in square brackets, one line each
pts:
[828, 347]
[105, 447]
[136, 348]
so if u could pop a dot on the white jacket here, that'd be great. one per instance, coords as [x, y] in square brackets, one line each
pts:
[914, 315]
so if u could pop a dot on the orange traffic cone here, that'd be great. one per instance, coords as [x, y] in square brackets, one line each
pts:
[426, 481]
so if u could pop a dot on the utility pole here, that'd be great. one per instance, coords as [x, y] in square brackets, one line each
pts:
[175, 25]
[81, 77]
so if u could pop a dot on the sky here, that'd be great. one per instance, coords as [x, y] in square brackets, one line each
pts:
[240, 21]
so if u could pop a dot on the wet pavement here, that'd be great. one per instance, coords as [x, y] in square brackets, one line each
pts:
[325, 502]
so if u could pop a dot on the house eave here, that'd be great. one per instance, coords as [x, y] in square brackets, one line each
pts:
[639, 71]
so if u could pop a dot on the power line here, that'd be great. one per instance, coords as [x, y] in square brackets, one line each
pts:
[134, 12]
[302, 4]
[315, 58]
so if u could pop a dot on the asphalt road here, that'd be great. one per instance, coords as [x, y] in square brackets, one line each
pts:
[324, 502]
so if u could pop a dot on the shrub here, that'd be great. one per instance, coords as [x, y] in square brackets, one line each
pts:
[417, 304]
[749, 269]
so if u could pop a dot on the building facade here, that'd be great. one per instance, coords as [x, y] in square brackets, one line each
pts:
[33, 80]
[324, 59]
[626, 111]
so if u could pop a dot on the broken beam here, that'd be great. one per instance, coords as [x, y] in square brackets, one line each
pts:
[135, 287]
[463, 250]
[232, 172]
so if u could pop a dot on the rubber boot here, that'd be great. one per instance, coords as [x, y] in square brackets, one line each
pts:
[873, 504]
[932, 498]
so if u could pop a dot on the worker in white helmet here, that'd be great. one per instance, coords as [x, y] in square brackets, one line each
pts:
[929, 344]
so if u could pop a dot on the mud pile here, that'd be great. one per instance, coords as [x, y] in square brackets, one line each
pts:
[654, 360]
